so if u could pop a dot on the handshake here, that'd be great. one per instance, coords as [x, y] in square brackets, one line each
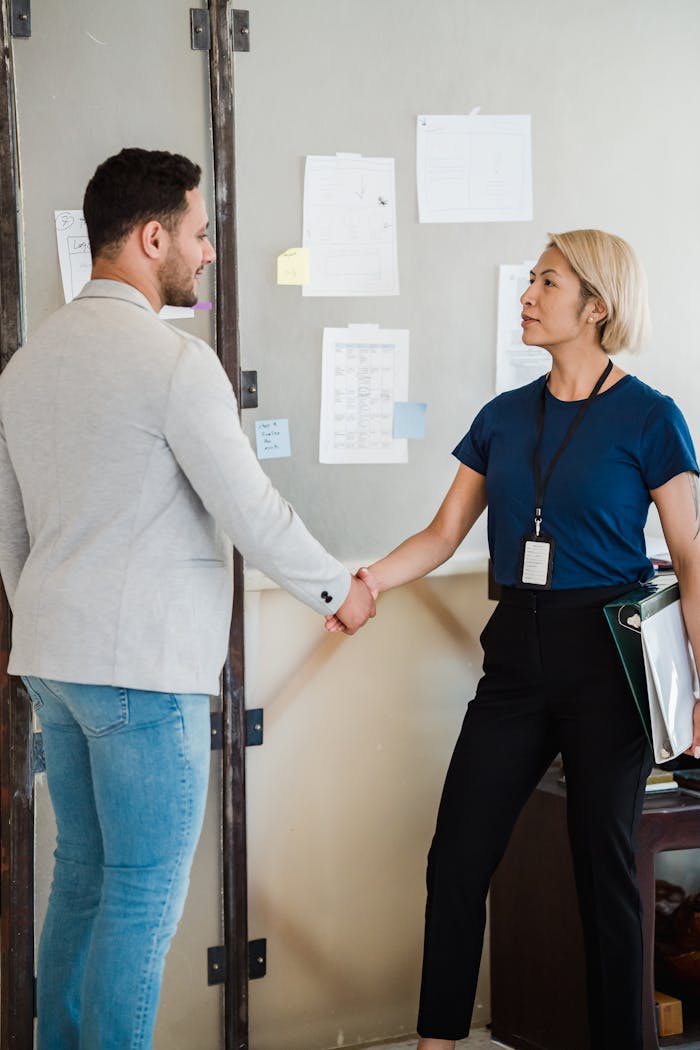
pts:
[358, 607]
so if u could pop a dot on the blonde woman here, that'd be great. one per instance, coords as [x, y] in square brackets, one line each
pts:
[568, 466]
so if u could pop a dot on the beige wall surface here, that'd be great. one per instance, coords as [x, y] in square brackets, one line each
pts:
[342, 799]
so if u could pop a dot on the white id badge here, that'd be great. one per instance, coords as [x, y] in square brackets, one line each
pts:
[537, 561]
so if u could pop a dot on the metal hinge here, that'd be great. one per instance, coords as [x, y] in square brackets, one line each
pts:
[257, 961]
[21, 18]
[249, 389]
[257, 958]
[254, 727]
[241, 31]
[217, 730]
[200, 29]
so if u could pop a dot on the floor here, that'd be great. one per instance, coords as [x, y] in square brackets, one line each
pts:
[479, 1040]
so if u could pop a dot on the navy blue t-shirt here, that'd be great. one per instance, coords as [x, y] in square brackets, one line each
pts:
[632, 439]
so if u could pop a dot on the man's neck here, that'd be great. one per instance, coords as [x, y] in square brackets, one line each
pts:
[111, 270]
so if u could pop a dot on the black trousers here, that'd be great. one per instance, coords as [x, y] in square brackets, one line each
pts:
[552, 683]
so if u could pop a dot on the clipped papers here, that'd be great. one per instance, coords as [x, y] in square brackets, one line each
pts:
[474, 168]
[672, 681]
[516, 363]
[364, 372]
[350, 226]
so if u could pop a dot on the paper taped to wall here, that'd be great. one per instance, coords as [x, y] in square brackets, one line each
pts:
[365, 371]
[474, 168]
[350, 226]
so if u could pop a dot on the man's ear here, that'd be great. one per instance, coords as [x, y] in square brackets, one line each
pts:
[153, 238]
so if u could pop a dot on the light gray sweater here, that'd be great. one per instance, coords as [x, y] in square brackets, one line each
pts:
[125, 478]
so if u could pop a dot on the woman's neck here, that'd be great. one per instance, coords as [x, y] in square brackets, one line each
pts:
[574, 375]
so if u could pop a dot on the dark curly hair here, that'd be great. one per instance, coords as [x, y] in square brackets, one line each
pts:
[133, 187]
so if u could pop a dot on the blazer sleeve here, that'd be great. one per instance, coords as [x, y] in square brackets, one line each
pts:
[14, 538]
[203, 430]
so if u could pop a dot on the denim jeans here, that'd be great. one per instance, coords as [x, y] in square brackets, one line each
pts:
[127, 773]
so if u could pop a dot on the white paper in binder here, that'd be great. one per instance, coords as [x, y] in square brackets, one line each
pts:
[672, 681]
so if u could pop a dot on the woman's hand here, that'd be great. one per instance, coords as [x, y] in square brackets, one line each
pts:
[694, 748]
[333, 623]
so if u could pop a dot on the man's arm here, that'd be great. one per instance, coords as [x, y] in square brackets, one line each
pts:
[14, 539]
[205, 435]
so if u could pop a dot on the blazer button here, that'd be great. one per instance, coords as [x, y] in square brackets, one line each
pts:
[324, 594]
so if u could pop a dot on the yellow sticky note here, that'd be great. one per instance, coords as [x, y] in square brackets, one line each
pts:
[293, 266]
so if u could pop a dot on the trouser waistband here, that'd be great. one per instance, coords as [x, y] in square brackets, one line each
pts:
[579, 598]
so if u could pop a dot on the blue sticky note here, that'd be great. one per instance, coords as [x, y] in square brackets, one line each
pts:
[272, 438]
[409, 419]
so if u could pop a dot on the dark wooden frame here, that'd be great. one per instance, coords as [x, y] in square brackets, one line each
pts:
[16, 776]
[235, 889]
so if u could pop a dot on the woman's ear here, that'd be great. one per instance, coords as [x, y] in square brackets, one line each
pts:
[597, 311]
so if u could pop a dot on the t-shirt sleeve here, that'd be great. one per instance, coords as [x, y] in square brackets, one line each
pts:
[473, 449]
[666, 447]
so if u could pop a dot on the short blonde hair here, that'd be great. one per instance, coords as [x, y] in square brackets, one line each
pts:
[609, 270]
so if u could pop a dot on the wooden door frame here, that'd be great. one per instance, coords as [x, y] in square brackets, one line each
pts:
[16, 772]
[235, 889]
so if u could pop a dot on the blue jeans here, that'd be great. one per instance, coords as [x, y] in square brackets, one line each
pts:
[127, 773]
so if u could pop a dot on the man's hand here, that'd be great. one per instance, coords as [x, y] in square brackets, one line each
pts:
[355, 611]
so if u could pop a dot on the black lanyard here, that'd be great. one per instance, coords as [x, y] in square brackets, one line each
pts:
[542, 482]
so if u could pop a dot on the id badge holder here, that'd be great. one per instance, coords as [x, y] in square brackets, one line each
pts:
[537, 561]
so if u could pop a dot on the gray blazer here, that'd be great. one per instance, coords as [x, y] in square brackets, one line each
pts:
[125, 478]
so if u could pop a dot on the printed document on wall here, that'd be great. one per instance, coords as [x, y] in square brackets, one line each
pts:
[516, 363]
[365, 371]
[350, 226]
[474, 168]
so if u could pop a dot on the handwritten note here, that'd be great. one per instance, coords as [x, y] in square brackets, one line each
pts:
[74, 254]
[293, 266]
[350, 226]
[272, 438]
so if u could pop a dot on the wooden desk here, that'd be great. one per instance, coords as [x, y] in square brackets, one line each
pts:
[537, 969]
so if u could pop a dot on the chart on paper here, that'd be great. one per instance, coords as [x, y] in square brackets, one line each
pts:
[363, 376]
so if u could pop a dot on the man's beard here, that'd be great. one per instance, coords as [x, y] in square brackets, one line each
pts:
[176, 284]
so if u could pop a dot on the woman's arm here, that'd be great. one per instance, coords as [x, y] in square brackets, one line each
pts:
[678, 504]
[420, 554]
